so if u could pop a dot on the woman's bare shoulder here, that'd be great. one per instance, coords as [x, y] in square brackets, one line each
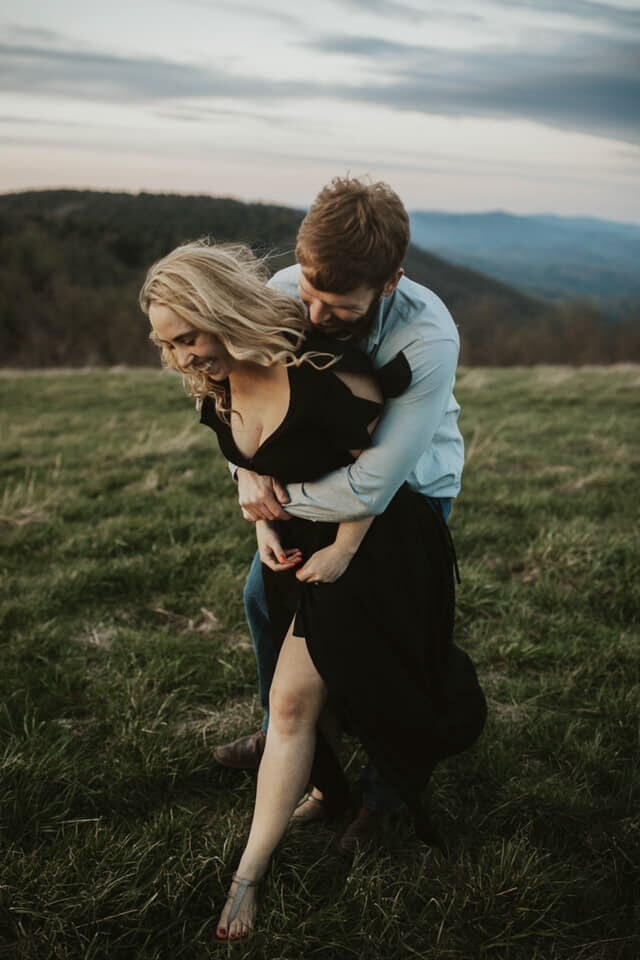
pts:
[361, 384]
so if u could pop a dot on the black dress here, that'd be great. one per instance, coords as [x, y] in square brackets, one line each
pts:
[381, 635]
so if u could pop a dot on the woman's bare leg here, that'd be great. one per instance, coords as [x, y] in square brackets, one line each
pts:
[312, 808]
[297, 696]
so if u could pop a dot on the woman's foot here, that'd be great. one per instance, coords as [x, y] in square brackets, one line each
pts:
[310, 808]
[238, 915]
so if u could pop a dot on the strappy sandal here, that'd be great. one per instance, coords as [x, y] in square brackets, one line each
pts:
[242, 886]
[321, 806]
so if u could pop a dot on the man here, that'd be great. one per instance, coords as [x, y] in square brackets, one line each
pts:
[350, 249]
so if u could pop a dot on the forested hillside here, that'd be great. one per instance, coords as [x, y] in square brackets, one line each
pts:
[71, 264]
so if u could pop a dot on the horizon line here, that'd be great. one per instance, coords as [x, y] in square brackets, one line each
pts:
[133, 192]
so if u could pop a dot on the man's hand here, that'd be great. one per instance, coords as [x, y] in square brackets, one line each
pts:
[261, 497]
[326, 565]
[270, 548]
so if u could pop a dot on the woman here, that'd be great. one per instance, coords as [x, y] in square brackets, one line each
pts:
[367, 623]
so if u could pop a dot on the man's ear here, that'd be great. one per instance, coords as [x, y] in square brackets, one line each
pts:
[391, 284]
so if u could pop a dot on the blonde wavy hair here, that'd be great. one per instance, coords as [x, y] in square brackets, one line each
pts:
[221, 288]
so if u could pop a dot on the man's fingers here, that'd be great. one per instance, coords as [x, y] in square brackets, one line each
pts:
[280, 491]
[268, 509]
[278, 512]
[255, 512]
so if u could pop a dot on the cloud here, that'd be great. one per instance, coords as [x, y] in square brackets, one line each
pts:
[195, 114]
[33, 34]
[592, 85]
[387, 8]
[625, 18]
[252, 10]
[582, 82]
[12, 119]
[396, 10]
[103, 76]
[9, 118]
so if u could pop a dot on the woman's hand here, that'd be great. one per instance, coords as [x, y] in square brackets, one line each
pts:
[271, 551]
[326, 565]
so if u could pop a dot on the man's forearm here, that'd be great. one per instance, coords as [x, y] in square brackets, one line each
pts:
[330, 500]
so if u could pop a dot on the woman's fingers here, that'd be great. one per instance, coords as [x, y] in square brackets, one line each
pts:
[276, 565]
[291, 554]
[279, 559]
[305, 573]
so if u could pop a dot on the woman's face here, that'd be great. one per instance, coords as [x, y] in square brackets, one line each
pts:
[191, 348]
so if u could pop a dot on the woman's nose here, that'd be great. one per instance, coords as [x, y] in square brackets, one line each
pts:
[184, 355]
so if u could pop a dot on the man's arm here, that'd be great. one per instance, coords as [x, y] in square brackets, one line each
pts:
[406, 430]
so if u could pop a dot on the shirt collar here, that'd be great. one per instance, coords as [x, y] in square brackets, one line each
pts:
[373, 339]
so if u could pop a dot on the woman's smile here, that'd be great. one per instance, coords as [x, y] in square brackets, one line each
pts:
[190, 348]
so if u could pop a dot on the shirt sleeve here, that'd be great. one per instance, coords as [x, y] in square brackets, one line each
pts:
[405, 431]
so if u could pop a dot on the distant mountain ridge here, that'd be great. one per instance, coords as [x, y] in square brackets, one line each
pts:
[544, 254]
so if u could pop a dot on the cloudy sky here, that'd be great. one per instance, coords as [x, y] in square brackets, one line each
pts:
[523, 105]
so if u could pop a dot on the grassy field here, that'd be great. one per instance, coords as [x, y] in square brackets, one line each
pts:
[125, 658]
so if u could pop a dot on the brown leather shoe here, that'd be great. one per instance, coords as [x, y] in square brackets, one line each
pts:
[360, 831]
[244, 753]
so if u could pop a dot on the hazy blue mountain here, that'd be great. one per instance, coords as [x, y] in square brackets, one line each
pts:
[550, 256]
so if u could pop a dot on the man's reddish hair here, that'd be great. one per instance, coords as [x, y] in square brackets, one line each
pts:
[355, 234]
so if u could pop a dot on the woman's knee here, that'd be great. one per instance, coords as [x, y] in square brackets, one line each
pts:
[291, 710]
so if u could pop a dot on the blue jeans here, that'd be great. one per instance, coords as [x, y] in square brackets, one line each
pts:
[376, 794]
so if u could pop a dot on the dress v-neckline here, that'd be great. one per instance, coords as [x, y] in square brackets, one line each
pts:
[273, 433]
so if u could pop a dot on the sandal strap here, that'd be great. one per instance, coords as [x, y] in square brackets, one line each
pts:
[238, 896]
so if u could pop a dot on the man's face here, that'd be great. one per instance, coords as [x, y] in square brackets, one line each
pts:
[351, 313]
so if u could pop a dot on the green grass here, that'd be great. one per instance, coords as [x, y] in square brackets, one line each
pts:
[125, 658]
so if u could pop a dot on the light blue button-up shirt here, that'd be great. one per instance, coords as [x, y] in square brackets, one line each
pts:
[417, 439]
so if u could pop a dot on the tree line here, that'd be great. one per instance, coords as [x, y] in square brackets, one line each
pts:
[72, 262]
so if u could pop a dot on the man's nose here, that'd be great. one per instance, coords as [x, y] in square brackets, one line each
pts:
[318, 311]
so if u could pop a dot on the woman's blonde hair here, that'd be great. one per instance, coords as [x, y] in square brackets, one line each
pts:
[221, 288]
